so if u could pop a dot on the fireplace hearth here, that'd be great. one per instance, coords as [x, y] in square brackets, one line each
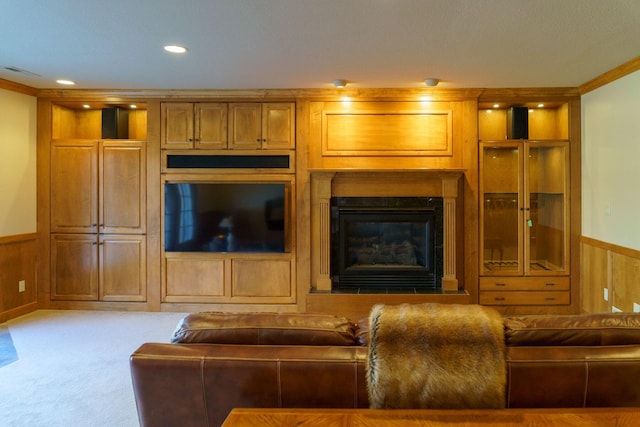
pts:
[386, 244]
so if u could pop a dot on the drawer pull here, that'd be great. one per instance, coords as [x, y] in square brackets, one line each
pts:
[550, 299]
[499, 298]
[549, 284]
[501, 284]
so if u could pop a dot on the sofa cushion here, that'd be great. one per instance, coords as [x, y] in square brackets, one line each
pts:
[578, 330]
[265, 328]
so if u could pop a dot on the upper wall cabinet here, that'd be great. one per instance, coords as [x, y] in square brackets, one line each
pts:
[235, 126]
[98, 187]
[194, 125]
[256, 126]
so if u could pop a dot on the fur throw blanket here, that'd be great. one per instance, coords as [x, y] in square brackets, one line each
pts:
[443, 356]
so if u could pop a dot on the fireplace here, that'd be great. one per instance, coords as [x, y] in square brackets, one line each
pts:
[386, 244]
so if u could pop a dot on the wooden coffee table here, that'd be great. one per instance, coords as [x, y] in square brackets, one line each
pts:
[578, 417]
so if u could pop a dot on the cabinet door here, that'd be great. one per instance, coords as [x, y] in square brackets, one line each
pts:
[74, 184]
[268, 279]
[245, 126]
[74, 267]
[211, 125]
[123, 275]
[194, 279]
[177, 125]
[278, 126]
[502, 209]
[547, 207]
[122, 187]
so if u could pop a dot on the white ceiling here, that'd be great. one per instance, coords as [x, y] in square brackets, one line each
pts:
[273, 44]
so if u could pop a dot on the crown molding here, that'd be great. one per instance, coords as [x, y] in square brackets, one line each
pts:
[18, 87]
[610, 76]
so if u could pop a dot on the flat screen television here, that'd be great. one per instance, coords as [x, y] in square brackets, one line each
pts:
[225, 217]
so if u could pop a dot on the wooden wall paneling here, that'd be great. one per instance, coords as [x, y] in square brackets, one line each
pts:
[18, 261]
[346, 148]
[137, 124]
[625, 271]
[613, 267]
[492, 124]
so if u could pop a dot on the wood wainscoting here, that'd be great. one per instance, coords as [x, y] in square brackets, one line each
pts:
[18, 263]
[612, 270]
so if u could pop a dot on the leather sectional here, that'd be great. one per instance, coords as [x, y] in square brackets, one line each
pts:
[217, 362]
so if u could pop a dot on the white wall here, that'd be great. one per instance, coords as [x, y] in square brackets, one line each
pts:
[611, 162]
[17, 163]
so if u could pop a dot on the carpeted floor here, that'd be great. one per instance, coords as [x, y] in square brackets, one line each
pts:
[73, 367]
[7, 349]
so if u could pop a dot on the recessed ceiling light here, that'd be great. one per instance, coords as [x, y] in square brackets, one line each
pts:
[540, 105]
[86, 106]
[65, 82]
[133, 106]
[175, 49]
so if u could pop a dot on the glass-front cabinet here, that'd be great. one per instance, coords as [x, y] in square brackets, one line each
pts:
[524, 208]
[524, 212]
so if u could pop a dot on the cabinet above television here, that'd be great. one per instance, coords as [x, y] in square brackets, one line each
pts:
[233, 126]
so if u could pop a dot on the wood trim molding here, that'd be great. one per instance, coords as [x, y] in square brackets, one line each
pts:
[17, 238]
[237, 95]
[18, 87]
[610, 76]
[632, 253]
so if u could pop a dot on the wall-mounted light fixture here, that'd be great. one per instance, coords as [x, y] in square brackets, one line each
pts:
[432, 82]
[340, 83]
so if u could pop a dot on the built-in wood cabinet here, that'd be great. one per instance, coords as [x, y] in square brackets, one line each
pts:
[235, 126]
[525, 250]
[98, 186]
[194, 125]
[268, 126]
[98, 267]
[199, 262]
[97, 210]
[229, 278]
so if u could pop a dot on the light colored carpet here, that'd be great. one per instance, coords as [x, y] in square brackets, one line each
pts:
[73, 367]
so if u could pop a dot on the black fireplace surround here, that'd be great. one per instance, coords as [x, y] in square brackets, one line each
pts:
[386, 244]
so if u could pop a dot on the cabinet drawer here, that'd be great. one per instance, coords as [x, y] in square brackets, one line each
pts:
[525, 283]
[525, 298]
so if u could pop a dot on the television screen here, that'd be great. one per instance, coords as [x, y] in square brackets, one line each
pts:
[224, 217]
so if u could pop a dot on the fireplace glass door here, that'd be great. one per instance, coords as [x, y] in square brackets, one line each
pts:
[386, 247]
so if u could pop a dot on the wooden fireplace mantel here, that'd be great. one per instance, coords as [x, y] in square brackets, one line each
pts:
[380, 183]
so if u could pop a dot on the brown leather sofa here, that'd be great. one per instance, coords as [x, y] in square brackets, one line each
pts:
[217, 362]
